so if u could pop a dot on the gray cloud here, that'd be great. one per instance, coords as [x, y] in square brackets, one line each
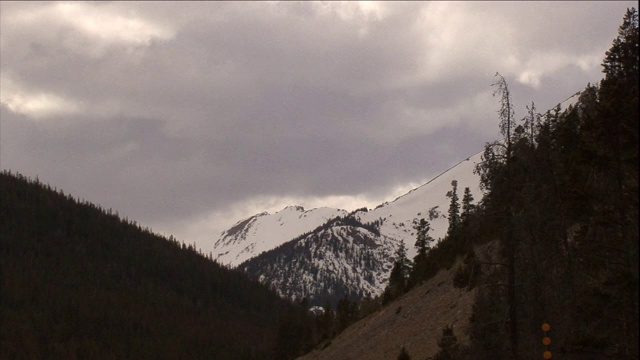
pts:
[172, 112]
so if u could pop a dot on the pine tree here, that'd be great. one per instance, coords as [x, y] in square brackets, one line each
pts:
[423, 239]
[469, 272]
[621, 60]
[467, 206]
[531, 123]
[506, 113]
[449, 346]
[497, 178]
[423, 245]
[399, 273]
[402, 260]
[404, 355]
[454, 209]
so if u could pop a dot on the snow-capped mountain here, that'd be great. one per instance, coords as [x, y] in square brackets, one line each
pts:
[352, 254]
[428, 201]
[325, 253]
[264, 231]
[342, 257]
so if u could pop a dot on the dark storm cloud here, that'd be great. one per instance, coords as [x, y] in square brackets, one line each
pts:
[171, 112]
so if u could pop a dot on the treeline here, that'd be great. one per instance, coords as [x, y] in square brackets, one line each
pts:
[303, 330]
[562, 188]
[561, 197]
[80, 282]
[466, 229]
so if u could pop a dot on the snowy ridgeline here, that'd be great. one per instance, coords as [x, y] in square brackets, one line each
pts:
[326, 253]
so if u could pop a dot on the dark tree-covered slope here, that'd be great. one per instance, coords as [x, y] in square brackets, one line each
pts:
[563, 191]
[560, 221]
[79, 282]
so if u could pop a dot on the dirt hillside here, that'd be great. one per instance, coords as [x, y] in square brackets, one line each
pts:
[414, 321]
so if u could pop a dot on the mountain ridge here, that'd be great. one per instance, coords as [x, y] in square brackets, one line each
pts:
[264, 231]
[361, 245]
[393, 222]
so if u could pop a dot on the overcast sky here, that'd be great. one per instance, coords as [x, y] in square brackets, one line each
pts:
[188, 117]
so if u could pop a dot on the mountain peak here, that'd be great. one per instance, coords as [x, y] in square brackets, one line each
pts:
[297, 208]
[362, 242]
[262, 232]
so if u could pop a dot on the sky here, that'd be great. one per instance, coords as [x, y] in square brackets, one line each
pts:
[190, 116]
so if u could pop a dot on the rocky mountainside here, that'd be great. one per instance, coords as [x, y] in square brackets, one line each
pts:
[342, 257]
[328, 253]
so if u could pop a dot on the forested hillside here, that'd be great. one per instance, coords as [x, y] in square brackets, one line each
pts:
[560, 215]
[563, 190]
[561, 208]
[78, 282]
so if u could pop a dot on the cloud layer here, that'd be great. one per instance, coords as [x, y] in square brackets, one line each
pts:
[189, 116]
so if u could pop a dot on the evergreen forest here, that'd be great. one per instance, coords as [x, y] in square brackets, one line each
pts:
[563, 190]
[561, 200]
[79, 282]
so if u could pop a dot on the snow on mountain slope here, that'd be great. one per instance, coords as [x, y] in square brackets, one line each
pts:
[397, 217]
[331, 252]
[340, 258]
[264, 231]
[353, 254]
[324, 254]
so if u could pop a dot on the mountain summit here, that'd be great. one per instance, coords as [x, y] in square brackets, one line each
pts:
[328, 253]
[263, 232]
